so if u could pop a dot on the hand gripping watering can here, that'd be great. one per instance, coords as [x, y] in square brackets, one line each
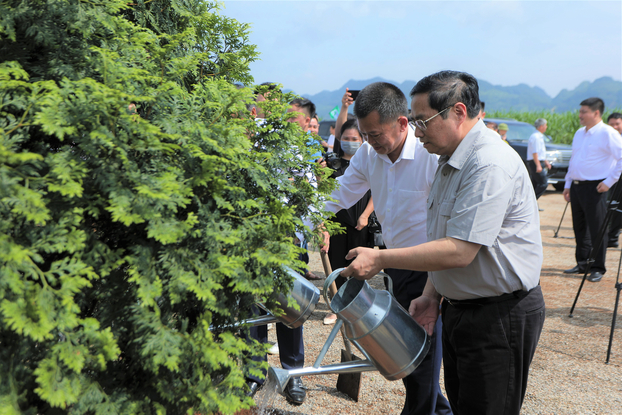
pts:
[391, 340]
[303, 293]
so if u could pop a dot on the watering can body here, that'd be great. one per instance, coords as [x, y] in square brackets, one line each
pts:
[375, 322]
[304, 294]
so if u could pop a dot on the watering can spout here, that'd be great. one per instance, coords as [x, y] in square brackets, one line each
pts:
[281, 376]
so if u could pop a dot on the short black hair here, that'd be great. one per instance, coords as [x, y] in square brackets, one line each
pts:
[307, 106]
[271, 87]
[595, 104]
[613, 115]
[386, 98]
[348, 125]
[447, 88]
[482, 105]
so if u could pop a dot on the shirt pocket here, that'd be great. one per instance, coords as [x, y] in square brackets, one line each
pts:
[412, 206]
[447, 207]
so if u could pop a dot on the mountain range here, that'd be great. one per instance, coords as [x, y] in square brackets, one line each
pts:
[520, 97]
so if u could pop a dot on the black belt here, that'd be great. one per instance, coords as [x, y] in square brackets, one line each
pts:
[579, 182]
[477, 302]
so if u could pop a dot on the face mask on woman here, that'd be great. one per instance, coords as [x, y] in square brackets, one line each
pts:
[350, 147]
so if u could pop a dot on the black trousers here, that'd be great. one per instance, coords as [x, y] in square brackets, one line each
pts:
[538, 180]
[589, 209]
[616, 218]
[290, 341]
[487, 351]
[423, 392]
[341, 244]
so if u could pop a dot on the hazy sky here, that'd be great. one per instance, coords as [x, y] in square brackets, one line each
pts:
[310, 46]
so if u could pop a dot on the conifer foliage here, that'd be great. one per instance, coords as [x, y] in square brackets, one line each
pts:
[139, 205]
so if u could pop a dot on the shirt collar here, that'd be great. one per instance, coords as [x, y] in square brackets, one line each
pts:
[466, 146]
[408, 151]
[595, 128]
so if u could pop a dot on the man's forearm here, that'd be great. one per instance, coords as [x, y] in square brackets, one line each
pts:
[438, 255]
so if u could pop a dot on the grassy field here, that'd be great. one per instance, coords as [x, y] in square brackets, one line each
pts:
[562, 125]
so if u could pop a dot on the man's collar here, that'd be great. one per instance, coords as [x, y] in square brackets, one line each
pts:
[466, 146]
[408, 151]
[595, 127]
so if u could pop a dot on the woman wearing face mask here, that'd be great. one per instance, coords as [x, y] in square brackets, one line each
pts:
[353, 219]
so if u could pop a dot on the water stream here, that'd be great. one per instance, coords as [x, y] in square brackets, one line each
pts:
[265, 397]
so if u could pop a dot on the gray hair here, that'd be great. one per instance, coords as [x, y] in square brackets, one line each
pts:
[386, 98]
[539, 122]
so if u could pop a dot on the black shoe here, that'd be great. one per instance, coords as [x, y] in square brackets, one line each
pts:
[595, 277]
[295, 392]
[311, 276]
[612, 244]
[576, 270]
[253, 387]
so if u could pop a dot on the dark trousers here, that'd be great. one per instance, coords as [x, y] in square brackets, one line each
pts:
[616, 218]
[487, 350]
[423, 392]
[290, 341]
[341, 244]
[538, 180]
[588, 215]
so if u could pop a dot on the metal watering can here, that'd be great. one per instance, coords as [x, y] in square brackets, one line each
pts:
[304, 294]
[391, 340]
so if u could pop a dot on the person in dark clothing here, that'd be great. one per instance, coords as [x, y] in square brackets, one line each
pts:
[355, 218]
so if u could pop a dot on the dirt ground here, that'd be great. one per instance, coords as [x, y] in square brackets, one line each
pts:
[568, 374]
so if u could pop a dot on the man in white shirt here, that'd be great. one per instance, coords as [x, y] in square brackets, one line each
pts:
[536, 156]
[399, 172]
[595, 166]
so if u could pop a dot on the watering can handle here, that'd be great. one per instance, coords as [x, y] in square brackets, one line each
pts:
[333, 276]
[389, 282]
[329, 280]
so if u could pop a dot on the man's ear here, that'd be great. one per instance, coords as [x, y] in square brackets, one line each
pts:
[403, 122]
[307, 122]
[461, 112]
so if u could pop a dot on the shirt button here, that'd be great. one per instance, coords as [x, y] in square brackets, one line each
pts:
[388, 210]
[390, 190]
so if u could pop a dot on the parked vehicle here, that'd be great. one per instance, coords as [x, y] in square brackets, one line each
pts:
[557, 154]
[324, 130]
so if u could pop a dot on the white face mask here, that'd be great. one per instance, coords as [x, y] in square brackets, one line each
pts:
[350, 147]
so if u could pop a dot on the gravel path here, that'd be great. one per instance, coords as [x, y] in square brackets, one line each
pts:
[568, 374]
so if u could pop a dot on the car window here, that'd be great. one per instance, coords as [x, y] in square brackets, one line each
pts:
[520, 132]
[324, 130]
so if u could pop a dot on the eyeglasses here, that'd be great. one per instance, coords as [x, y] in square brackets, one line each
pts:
[420, 124]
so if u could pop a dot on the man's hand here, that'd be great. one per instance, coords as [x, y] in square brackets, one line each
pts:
[365, 265]
[538, 168]
[547, 164]
[362, 221]
[326, 243]
[602, 187]
[425, 311]
[566, 195]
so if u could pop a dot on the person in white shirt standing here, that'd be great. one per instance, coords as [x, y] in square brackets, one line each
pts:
[595, 166]
[399, 172]
[536, 156]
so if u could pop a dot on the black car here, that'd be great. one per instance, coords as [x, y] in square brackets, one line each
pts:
[557, 154]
